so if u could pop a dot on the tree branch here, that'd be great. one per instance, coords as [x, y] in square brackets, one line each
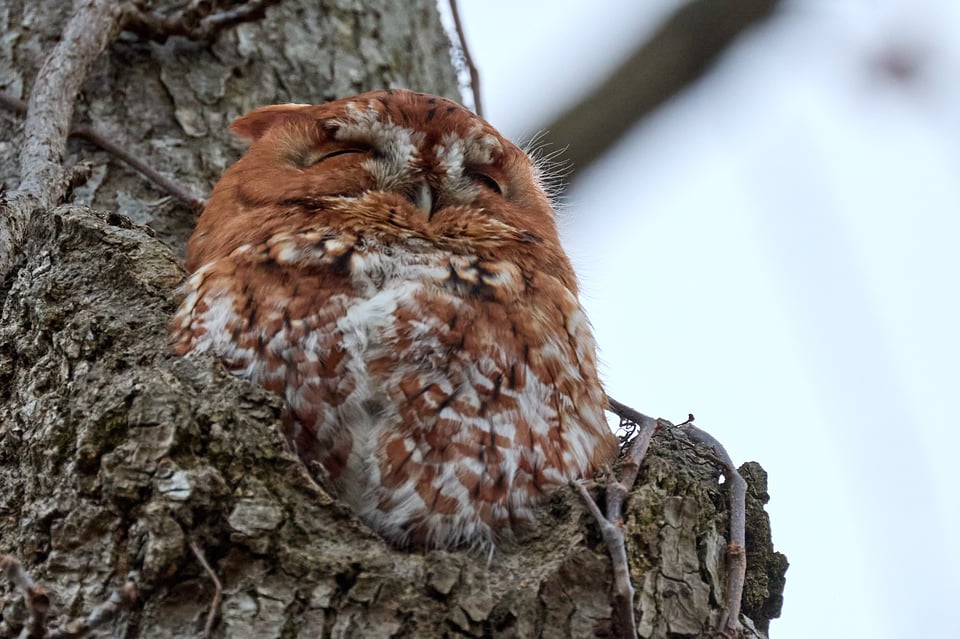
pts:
[38, 605]
[49, 112]
[93, 25]
[50, 108]
[678, 54]
[636, 449]
[736, 547]
[34, 595]
[96, 138]
[120, 599]
[198, 21]
[467, 59]
[194, 203]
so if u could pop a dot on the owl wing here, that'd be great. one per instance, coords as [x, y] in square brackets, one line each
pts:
[269, 312]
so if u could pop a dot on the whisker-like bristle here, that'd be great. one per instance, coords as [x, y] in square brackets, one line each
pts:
[552, 168]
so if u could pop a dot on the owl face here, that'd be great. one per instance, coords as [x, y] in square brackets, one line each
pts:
[423, 166]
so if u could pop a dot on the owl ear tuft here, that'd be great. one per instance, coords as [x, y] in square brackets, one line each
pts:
[253, 125]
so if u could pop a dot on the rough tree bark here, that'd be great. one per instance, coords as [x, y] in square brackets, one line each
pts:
[115, 455]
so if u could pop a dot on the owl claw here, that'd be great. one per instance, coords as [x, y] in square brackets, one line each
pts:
[622, 586]
[611, 523]
[736, 548]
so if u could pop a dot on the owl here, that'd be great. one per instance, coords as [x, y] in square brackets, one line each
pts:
[390, 266]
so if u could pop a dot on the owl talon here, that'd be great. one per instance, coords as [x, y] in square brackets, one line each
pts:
[736, 548]
[611, 524]
[616, 546]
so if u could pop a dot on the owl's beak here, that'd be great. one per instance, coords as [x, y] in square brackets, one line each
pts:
[423, 199]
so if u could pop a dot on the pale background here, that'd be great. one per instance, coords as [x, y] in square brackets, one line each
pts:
[776, 252]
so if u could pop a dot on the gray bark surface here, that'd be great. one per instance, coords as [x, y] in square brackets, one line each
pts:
[115, 455]
[171, 103]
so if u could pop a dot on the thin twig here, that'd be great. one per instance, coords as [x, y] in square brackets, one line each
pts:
[611, 523]
[616, 491]
[625, 412]
[98, 139]
[93, 25]
[91, 135]
[16, 105]
[196, 22]
[218, 588]
[216, 22]
[613, 539]
[468, 59]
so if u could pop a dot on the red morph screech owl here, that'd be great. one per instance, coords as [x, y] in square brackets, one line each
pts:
[389, 265]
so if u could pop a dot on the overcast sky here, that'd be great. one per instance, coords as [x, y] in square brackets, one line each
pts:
[776, 252]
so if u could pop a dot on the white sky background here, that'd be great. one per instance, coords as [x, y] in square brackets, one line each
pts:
[776, 251]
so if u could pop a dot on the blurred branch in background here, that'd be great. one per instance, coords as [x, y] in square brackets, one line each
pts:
[681, 51]
[467, 59]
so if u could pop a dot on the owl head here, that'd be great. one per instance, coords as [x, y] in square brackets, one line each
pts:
[399, 165]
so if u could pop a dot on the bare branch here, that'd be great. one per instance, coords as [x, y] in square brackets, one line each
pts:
[674, 57]
[38, 604]
[611, 523]
[16, 105]
[92, 27]
[623, 590]
[34, 595]
[120, 599]
[468, 59]
[49, 112]
[50, 108]
[194, 203]
[198, 21]
[98, 139]
[625, 412]
[218, 588]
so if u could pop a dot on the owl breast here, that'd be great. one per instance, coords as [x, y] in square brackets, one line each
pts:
[434, 360]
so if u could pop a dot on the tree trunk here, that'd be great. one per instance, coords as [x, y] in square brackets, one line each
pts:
[116, 458]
